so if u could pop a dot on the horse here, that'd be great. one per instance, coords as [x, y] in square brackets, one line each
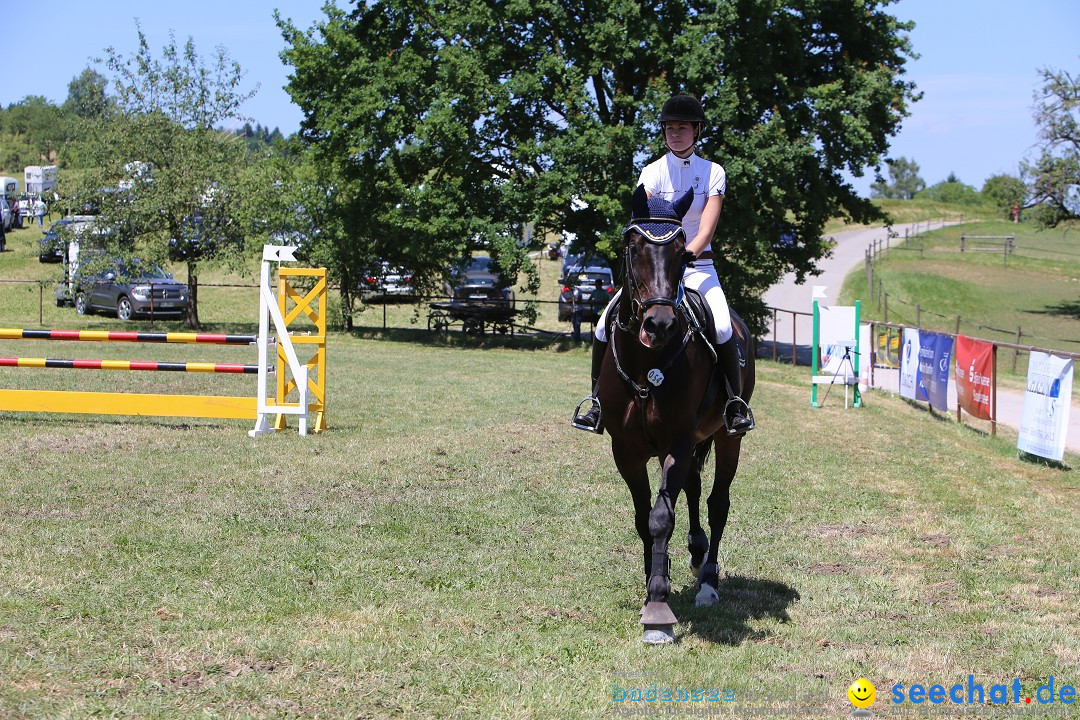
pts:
[663, 396]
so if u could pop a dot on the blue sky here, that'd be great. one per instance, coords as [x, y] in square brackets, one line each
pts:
[978, 67]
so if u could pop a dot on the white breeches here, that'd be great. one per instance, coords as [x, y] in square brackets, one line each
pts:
[702, 278]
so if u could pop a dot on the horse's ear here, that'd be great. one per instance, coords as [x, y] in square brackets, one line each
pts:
[639, 203]
[682, 205]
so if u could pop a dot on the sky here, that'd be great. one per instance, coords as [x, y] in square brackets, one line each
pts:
[978, 65]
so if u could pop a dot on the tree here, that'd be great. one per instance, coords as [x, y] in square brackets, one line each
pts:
[1004, 191]
[951, 191]
[40, 124]
[1054, 178]
[904, 181]
[459, 124]
[86, 95]
[179, 178]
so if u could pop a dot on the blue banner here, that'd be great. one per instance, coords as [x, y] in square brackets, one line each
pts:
[935, 356]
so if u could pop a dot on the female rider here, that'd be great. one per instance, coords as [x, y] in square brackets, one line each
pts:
[670, 177]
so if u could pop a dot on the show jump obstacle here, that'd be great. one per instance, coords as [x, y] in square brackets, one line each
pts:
[306, 380]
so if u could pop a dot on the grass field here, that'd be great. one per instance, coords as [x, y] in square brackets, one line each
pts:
[450, 548]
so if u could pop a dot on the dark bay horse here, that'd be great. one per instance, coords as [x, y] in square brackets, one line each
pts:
[663, 396]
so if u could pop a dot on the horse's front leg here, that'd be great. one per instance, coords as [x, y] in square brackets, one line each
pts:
[656, 616]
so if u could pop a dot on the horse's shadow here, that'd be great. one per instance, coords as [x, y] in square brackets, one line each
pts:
[742, 600]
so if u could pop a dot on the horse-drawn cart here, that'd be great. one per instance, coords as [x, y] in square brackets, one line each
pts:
[474, 317]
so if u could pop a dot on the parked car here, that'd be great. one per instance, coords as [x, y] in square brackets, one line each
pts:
[383, 281]
[53, 242]
[584, 281]
[477, 280]
[577, 261]
[129, 289]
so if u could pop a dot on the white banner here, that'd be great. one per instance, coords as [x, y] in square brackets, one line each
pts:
[1045, 419]
[909, 364]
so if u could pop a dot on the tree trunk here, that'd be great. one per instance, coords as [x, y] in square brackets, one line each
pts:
[193, 296]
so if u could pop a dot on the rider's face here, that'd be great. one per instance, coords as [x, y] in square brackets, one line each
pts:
[679, 136]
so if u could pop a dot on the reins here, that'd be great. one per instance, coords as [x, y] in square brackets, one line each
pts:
[655, 376]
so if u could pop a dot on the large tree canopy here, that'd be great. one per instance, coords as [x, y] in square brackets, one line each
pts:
[459, 122]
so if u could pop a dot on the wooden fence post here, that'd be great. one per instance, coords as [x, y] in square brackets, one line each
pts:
[1016, 351]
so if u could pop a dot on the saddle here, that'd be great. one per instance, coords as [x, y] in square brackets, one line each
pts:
[696, 311]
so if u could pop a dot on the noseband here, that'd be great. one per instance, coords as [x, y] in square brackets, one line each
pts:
[656, 231]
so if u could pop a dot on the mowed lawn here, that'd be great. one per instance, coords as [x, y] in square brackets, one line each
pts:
[451, 548]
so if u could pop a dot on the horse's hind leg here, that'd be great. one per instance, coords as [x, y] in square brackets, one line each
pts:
[727, 464]
[697, 541]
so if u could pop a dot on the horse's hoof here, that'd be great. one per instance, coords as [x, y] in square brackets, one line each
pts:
[695, 570]
[706, 596]
[657, 614]
[658, 635]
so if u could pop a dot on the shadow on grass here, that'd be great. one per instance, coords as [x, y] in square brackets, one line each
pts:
[930, 410]
[529, 339]
[1045, 462]
[742, 600]
[1064, 309]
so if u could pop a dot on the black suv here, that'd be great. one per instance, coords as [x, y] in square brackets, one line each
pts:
[477, 280]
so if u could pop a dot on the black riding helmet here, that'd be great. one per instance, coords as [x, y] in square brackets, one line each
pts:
[682, 108]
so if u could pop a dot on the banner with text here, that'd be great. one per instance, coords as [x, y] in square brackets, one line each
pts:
[974, 376]
[935, 354]
[1045, 418]
[909, 365]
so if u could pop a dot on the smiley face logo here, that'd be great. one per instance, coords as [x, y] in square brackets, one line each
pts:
[862, 693]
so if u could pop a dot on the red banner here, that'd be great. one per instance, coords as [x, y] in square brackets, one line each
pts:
[974, 375]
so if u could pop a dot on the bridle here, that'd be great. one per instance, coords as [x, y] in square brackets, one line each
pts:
[665, 234]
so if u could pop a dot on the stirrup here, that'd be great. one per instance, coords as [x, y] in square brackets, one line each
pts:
[582, 421]
[739, 404]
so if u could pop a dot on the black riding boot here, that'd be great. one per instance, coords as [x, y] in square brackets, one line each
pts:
[592, 420]
[737, 415]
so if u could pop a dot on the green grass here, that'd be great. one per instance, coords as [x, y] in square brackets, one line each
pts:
[450, 548]
[902, 212]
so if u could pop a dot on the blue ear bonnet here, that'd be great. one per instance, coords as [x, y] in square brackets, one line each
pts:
[661, 226]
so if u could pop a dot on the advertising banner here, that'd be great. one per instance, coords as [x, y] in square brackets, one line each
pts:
[935, 354]
[974, 376]
[1045, 418]
[909, 365]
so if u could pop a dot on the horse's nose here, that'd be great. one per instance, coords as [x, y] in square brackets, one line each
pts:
[658, 326]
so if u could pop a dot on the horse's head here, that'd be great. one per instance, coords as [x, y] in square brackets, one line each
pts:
[654, 245]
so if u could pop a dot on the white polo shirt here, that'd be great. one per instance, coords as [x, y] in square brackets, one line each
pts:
[671, 176]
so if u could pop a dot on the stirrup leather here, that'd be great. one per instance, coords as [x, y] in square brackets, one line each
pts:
[739, 403]
[579, 419]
